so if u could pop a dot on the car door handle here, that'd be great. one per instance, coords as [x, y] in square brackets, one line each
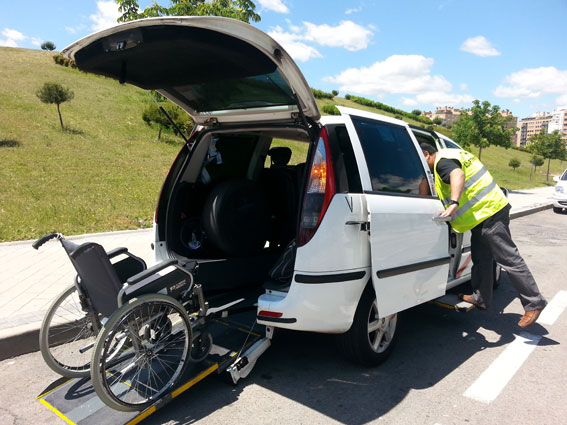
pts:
[364, 225]
[445, 219]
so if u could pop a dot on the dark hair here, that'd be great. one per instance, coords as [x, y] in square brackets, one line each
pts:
[426, 147]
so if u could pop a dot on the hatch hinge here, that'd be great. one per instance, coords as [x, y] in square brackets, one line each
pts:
[297, 117]
[211, 122]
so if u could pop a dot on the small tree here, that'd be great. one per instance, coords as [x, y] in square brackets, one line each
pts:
[536, 161]
[416, 112]
[437, 121]
[548, 145]
[55, 93]
[484, 126]
[48, 45]
[514, 163]
[335, 93]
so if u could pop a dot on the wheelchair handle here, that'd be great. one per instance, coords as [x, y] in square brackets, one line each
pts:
[45, 238]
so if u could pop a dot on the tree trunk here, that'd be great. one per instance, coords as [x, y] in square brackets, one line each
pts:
[548, 163]
[60, 119]
[531, 169]
[479, 152]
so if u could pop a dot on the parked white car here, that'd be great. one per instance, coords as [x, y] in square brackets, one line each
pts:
[560, 193]
[351, 214]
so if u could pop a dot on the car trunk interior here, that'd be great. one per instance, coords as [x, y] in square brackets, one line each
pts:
[234, 206]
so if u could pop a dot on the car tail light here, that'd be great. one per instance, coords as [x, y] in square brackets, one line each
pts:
[320, 190]
[267, 313]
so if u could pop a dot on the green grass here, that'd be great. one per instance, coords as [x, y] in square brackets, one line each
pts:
[104, 172]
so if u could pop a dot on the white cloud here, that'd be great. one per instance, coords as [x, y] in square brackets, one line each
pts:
[561, 100]
[354, 10]
[36, 41]
[292, 44]
[106, 16]
[274, 5]
[401, 74]
[479, 46]
[75, 29]
[347, 34]
[12, 37]
[404, 74]
[463, 86]
[533, 83]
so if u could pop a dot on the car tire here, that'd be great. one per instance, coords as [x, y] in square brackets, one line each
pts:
[236, 218]
[557, 210]
[370, 339]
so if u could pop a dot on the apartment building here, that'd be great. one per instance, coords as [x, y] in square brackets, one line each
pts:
[549, 122]
[559, 122]
[448, 115]
[530, 126]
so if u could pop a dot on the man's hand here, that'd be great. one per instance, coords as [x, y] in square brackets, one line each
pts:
[449, 212]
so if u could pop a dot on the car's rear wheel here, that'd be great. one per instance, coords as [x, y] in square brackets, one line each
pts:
[371, 338]
[557, 210]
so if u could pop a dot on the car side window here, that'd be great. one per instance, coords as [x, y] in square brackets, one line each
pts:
[451, 145]
[393, 163]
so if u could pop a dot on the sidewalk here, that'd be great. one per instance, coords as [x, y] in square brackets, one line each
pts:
[30, 279]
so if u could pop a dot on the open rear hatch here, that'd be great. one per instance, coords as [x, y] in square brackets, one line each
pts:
[217, 69]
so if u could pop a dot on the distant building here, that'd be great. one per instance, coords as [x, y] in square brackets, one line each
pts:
[448, 115]
[549, 122]
[559, 122]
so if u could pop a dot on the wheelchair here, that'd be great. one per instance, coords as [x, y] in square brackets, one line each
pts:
[133, 329]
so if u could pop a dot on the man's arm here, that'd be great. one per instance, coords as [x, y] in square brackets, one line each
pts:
[457, 182]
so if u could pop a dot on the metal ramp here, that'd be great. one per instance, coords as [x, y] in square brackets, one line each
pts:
[76, 402]
[452, 302]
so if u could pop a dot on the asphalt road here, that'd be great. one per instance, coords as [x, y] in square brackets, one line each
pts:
[436, 375]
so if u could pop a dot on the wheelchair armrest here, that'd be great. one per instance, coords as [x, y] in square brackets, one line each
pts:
[152, 270]
[117, 251]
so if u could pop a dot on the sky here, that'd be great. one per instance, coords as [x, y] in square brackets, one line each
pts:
[412, 54]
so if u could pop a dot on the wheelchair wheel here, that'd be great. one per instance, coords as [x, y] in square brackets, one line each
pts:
[141, 352]
[67, 335]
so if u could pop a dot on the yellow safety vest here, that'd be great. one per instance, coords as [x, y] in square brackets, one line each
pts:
[481, 197]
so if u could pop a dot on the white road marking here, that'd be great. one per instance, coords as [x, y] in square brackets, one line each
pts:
[554, 309]
[493, 380]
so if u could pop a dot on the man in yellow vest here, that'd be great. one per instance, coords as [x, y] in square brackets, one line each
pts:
[476, 203]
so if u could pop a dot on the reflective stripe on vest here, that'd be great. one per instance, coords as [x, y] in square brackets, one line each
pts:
[481, 197]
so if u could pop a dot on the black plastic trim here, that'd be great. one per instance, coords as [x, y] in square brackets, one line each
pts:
[395, 271]
[329, 278]
[467, 248]
[405, 195]
[277, 319]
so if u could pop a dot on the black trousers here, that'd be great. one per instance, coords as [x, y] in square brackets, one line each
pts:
[491, 241]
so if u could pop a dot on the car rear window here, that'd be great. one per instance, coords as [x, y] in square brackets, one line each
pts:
[393, 162]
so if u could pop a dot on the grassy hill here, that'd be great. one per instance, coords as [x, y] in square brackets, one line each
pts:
[104, 172]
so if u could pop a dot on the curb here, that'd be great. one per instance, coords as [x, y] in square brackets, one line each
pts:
[17, 342]
[529, 211]
[85, 236]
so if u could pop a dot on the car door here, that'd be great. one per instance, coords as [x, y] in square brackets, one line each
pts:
[409, 250]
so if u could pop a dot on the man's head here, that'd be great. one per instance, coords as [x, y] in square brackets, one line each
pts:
[430, 152]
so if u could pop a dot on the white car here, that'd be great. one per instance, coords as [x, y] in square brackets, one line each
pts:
[560, 193]
[350, 216]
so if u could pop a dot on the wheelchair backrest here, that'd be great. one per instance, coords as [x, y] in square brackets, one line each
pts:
[97, 276]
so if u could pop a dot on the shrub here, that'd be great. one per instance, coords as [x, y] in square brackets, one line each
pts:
[335, 92]
[59, 59]
[320, 94]
[330, 109]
